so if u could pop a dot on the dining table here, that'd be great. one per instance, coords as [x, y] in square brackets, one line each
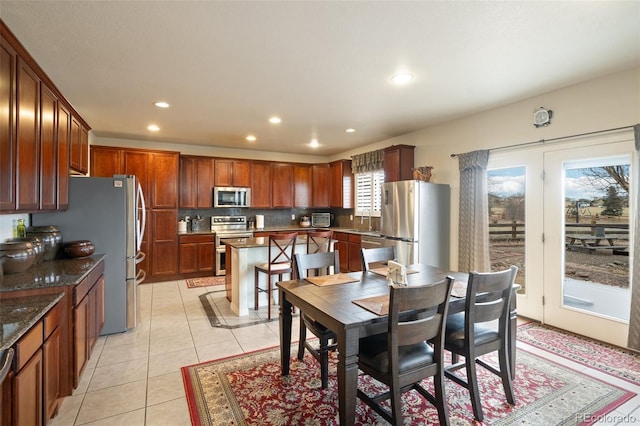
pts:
[352, 305]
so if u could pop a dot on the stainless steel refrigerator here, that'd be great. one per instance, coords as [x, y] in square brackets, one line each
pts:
[111, 213]
[415, 219]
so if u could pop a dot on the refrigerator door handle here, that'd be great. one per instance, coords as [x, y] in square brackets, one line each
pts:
[140, 257]
[142, 209]
[141, 276]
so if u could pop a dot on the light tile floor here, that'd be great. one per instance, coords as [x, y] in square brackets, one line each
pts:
[134, 378]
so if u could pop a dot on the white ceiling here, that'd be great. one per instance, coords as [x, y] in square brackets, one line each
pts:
[226, 66]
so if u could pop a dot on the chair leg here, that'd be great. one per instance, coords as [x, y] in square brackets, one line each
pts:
[268, 296]
[303, 338]
[505, 375]
[474, 392]
[256, 287]
[396, 404]
[324, 365]
[440, 397]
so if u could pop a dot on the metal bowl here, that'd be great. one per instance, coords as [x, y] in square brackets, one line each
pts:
[19, 256]
[80, 248]
[38, 246]
[50, 236]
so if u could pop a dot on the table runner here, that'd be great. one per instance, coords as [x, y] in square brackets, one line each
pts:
[332, 279]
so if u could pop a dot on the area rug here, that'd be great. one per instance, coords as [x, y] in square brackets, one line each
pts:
[249, 390]
[618, 362]
[205, 282]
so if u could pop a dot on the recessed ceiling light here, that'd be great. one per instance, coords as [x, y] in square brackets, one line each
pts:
[401, 78]
[314, 143]
[162, 104]
[350, 130]
[275, 120]
[153, 127]
[251, 138]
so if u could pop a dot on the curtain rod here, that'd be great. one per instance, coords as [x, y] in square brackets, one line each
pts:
[556, 139]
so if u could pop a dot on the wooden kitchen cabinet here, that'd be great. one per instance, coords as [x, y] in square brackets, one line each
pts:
[348, 245]
[281, 185]
[52, 362]
[28, 143]
[164, 246]
[196, 182]
[88, 318]
[260, 184]
[302, 185]
[197, 254]
[340, 184]
[164, 181]
[320, 187]
[64, 142]
[27, 392]
[48, 150]
[79, 157]
[398, 163]
[8, 60]
[230, 172]
[106, 161]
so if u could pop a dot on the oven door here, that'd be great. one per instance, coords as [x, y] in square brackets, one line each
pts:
[221, 249]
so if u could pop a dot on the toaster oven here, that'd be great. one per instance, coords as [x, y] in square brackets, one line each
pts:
[320, 220]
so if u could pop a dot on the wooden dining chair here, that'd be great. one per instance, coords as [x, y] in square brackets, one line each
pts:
[280, 261]
[473, 333]
[401, 358]
[319, 241]
[324, 264]
[376, 255]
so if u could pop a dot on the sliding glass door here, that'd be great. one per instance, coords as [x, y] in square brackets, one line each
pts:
[561, 213]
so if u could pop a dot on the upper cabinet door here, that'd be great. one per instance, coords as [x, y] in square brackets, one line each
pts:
[8, 60]
[261, 184]
[165, 181]
[28, 141]
[282, 185]
[48, 151]
[320, 196]
[106, 161]
[63, 128]
[302, 185]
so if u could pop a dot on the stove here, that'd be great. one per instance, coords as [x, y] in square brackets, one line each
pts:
[227, 227]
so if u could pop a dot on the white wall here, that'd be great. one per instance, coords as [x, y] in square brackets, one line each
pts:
[608, 102]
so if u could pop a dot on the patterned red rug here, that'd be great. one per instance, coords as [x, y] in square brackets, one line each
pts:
[591, 353]
[249, 390]
[205, 282]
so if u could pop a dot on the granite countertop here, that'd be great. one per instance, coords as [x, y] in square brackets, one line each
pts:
[290, 228]
[51, 273]
[18, 315]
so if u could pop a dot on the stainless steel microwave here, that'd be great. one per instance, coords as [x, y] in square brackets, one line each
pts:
[231, 197]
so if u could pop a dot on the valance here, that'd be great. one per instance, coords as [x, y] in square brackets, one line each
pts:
[368, 161]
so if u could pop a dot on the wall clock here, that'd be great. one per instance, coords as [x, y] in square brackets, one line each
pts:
[542, 117]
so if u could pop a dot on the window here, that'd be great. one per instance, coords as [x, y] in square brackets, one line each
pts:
[369, 193]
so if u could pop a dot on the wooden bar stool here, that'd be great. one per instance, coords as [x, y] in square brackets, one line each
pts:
[280, 261]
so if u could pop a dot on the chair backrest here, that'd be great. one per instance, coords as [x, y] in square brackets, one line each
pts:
[376, 255]
[281, 248]
[489, 297]
[319, 241]
[418, 314]
[320, 262]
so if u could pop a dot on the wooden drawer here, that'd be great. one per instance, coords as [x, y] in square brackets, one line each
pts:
[354, 238]
[186, 239]
[28, 345]
[85, 285]
[341, 236]
[52, 320]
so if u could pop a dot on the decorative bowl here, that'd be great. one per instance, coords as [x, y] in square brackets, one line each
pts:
[50, 236]
[18, 256]
[38, 246]
[80, 248]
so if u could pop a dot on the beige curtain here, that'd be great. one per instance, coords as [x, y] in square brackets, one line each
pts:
[473, 225]
[634, 321]
[368, 162]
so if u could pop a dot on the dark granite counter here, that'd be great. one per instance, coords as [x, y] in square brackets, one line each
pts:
[292, 228]
[18, 315]
[51, 273]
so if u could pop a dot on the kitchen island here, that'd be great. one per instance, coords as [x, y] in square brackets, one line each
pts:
[246, 253]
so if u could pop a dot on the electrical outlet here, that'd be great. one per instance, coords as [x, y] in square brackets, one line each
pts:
[293, 217]
[350, 217]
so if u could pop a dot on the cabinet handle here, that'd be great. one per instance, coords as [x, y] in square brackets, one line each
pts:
[8, 357]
